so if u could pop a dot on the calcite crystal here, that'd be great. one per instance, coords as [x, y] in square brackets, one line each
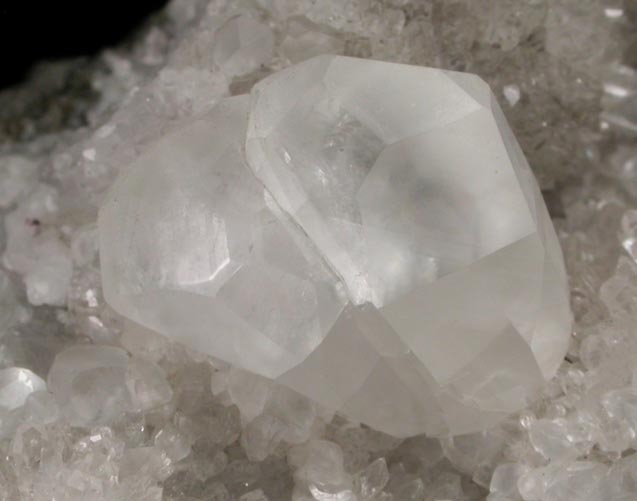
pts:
[382, 247]
[192, 246]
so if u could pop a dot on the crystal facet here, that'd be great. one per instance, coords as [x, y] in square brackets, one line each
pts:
[193, 224]
[16, 384]
[400, 265]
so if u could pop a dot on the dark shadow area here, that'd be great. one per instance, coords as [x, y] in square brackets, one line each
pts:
[32, 31]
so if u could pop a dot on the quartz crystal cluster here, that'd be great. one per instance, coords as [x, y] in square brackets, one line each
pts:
[400, 265]
[95, 406]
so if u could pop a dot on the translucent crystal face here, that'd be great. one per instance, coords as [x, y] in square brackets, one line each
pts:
[328, 137]
[189, 223]
[16, 384]
[399, 266]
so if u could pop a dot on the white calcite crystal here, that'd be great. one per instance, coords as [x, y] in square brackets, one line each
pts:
[193, 247]
[395, 263]
[165, 422]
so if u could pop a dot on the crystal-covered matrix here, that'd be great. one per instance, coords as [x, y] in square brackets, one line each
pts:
[95, 406]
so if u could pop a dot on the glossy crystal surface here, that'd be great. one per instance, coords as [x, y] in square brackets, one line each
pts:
[399, 267]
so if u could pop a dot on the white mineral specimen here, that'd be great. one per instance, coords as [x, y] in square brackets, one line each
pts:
[572, 65]
[400, 267]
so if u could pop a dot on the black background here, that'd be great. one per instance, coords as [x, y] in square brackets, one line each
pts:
[32, 31]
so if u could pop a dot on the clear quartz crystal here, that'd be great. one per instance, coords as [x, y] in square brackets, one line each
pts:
[505, 479]
[40, 407]
[16, 384]
[373, 479]
[242, 44]
[89, 383]
[400, 267]
[581, 480]
[172, 442]
[147, 385]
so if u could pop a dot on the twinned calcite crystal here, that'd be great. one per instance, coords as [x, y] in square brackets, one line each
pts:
[368, 234]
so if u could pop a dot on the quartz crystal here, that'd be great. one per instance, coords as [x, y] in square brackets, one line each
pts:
[89, 382]
[242, 44]
[16, 384]
[383, 247]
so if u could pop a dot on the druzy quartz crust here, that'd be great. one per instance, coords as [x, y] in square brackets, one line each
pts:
[368, 234]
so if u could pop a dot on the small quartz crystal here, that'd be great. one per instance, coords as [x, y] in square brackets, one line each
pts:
[242, 44]
[16, 384]
[89, 382]
[382, 248]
